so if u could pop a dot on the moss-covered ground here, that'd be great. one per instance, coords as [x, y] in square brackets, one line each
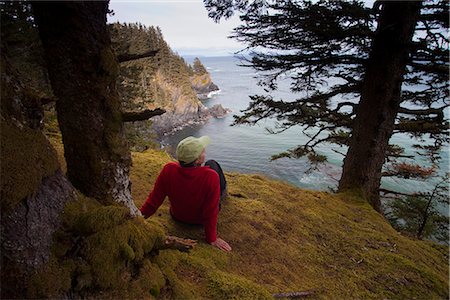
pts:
[284, 239]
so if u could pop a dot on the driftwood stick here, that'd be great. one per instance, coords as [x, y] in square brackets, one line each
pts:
[131, 116]
[127, 57]
[173, 242]
[295, 294]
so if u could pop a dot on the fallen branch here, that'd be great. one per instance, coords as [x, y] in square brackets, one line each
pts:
[173, 242]
[131, 116]
[127, 57]
[295, 294]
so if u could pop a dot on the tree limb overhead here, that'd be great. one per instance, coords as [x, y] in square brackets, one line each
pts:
[131, 116]
[127, 57]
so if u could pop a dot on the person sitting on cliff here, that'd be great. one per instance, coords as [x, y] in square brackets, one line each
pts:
[195, 189]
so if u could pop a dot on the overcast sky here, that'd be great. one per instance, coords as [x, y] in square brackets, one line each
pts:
[184, 23]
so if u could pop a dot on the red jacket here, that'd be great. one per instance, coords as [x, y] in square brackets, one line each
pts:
[193, 193]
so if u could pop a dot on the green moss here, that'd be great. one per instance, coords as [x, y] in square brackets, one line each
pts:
[100, 219]
[147, 283]
[286, 239]
[223, 285]
[53, 281]
[108, 61]
[126, 252]
[23, 166]
[108, 252]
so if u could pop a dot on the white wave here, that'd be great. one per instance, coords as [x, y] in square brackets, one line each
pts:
[211, 94]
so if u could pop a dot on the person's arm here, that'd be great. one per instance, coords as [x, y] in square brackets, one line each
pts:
[210, 214]
[156, 196]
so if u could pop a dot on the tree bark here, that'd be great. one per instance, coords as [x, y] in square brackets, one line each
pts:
[380, 99]
[33, 190]
[83, 70]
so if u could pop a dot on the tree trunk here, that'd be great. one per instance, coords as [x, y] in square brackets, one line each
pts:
[83, 69]
[380, 99]
[33, 190]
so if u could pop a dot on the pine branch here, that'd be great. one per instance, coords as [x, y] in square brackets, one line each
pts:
[437, 69]
[131, 116]
[439, 112]
[421, 127]
[128, 57]
[342, 104]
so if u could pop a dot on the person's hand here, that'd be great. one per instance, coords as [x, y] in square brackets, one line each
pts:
[221, 244]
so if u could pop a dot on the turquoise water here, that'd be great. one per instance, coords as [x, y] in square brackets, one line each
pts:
[248, 149]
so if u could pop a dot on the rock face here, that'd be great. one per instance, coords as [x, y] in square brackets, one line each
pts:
[218, 111]
[201, 80]
[163, 81]
[203, 85]
[183, 109]
[173, 120]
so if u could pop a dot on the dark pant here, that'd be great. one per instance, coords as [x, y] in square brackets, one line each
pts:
[223, 183]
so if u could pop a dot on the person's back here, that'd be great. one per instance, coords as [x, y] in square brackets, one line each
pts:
[190, 192]
[194, 190]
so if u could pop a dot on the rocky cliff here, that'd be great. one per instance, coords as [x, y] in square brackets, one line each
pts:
[201, 80]
[164, 80]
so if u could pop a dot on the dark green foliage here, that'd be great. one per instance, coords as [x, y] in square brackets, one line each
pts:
[323, 47]
[20, 40]
[422, 215]
[139, 136]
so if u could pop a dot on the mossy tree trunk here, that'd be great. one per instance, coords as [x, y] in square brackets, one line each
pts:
[83, 70]
[380, 99]
[33, 190]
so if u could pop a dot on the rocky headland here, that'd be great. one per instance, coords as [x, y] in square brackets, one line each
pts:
[204, 87]
[173, 121]
[162, 81]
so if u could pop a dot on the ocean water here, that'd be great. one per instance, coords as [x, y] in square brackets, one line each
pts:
[247, 149]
